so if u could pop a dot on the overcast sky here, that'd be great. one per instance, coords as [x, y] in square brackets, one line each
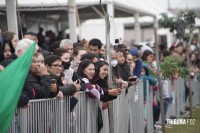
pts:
[179, 3]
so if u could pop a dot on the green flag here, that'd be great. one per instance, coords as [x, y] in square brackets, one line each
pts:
[11, 83]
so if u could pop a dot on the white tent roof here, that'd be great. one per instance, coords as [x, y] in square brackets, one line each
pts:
[127, 5]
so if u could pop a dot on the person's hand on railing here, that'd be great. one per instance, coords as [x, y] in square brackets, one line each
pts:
[59, 95]
[75, 95]
[27, 105]
[78, 86]
[124, 84]
[115, 91]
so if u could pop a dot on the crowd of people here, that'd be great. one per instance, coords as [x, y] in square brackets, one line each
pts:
[61, 67]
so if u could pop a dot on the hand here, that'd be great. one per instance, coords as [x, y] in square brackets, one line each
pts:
[27, 105]
[43, 70]
[75, 95]
[64, 82]
[53, 88]
[78, 86]
[119, 80]
[124, 84]
[1, 68]
[115, 91]
[59, 95]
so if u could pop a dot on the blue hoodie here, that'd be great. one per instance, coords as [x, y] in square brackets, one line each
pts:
[148, 76]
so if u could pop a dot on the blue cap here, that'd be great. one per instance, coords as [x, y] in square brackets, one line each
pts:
[133, 51]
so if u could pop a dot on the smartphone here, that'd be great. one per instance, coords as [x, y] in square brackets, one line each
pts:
[116, 40]
[53, 81]
[132, 79]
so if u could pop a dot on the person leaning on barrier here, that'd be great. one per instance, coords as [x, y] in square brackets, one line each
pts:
[124, 68]
[38, 81]
[100, 78]
[54, 65]
[147, 76]
[138, 62]
[118, 81]
[72, 86]
[86, 72]
[20, 49]
[39, 77]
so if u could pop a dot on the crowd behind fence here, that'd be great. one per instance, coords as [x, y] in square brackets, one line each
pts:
[54, 116]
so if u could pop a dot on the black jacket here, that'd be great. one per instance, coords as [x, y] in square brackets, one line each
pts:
[106, 97]
[124, 71]
[41, 85]
[66, 90]
[35, 87]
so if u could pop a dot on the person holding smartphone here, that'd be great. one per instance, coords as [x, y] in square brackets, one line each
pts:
[100, 78]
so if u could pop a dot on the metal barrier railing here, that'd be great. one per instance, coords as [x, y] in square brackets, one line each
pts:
[128, 111]
[177, 91]
[149, 109]
[54, 116]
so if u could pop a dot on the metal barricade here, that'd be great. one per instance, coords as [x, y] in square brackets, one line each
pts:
[181, 88]
[136, 104]
[149, 108]
[172, 107]
[128, 111]
[54, 116]
[195, 92]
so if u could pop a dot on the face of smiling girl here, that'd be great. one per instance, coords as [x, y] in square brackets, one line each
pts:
[89, 71]
[103, 71]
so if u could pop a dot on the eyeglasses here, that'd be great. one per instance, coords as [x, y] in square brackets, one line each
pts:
[57, 65]
[130, 59]
[38, 61]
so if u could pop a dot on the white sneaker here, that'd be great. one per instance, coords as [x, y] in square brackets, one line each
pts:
[158, 126]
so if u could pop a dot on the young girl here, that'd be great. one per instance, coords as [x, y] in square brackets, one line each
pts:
[86, 71]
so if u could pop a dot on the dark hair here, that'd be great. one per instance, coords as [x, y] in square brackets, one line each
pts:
[166, 53]
[31, 33]
[120, 47]
[145, 54]
[98, 66]
[172, 48]
[76, 44]
[180, 44]
[62, 74]
[60, 51]
[12, 50]
[123, 53]
[89, 56]
[95, 42]
[51, 59]
[82, 66]
[76, 50]
[8, 35]
[54, 45]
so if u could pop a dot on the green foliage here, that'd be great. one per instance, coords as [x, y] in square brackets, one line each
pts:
[171, 65]
[181, 26]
